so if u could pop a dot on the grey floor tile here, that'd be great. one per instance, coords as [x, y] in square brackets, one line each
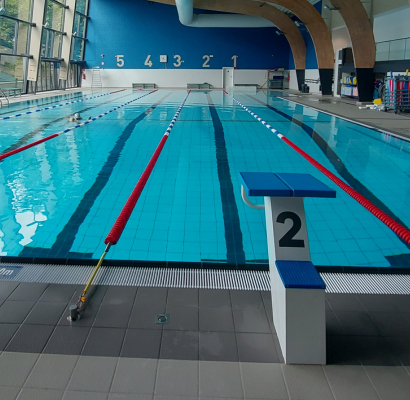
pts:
[135, 376]
[113, 316]
[120, 295]
[344, 302]
[67, 340]
[95, 294]
[278, 348]
[104, 342]
[58, 293]
[400, 346]
[93, 374]
[217, 346]
[263, 381]
[127, 396]
[88, 316]
[183, 297]
[74, 395]
[7, 288]
[390, 383]
[256, 347]
[143, 316]
[401, 302]
[220, 379]
[350, 382]
[216, 319]
[40, 394]
[376, 302]
[152, 296]
[30, 338]
[306, 382]
[177, 378]
[28, 291]
[340, 350]
[180, 345]
[9, 393]
[215, 298]
[52, 371]
[391, 323]
[15, 312]
[7, 331]
[251, 319]
[266, 298]
[15, 367]
[246, 298]
[373, 350]
[182, 318]
[356, 323]
[142, 343]
[333, 326]
[46, 313]
[167, 397]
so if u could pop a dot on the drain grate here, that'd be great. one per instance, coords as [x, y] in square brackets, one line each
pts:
[201, 278]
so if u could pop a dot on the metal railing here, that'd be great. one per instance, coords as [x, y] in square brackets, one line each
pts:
[398, 49]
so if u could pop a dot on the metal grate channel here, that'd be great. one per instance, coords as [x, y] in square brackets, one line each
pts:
[202, 278]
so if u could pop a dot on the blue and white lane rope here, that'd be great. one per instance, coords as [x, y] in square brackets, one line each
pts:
[51, 107]
[271, 128]
[27, 146]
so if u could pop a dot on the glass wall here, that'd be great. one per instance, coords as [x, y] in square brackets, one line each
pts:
[393, 50]
[15, 26]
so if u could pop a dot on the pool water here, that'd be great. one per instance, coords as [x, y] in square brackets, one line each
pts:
[60, 199]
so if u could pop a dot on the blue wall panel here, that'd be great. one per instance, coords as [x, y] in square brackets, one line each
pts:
[136, 28]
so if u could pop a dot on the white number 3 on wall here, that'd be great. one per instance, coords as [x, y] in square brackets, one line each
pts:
[120, 60]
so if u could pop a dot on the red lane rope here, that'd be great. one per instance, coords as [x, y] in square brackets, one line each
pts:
[397, 228]
[117, 91]
[119, 225]
[27, 146]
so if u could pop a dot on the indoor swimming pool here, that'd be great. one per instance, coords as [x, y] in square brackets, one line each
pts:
[59, 199]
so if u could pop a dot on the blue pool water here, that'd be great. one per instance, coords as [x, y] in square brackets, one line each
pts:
[59, 199]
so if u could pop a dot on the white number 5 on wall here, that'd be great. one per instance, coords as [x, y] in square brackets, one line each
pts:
[120, 60]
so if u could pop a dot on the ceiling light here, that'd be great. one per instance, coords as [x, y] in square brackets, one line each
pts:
[279, 33]
[330, 8]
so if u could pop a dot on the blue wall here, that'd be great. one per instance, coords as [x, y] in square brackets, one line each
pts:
[311, 60]
[136, 28]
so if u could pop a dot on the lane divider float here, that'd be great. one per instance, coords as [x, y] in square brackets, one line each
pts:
[27, 146]
[56, 106]
[397, 228]
[122, 219]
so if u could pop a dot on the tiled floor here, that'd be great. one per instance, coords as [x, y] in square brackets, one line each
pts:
[217, 344]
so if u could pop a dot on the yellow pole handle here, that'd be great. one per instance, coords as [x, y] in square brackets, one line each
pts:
[90, 281]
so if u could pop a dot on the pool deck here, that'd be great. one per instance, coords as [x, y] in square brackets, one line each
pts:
[218, 344]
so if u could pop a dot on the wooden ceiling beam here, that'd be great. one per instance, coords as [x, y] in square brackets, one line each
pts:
[360, 30]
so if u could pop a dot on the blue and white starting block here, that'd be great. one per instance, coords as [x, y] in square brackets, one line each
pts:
[298, 291]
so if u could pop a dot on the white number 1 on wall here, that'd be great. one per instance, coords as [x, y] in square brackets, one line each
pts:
[234, 60]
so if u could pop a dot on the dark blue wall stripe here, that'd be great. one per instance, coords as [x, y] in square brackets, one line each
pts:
[66, 237]
[233, 233]
[338, 164]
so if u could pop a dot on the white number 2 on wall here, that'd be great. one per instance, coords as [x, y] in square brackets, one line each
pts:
[205, 64]
[120, 60]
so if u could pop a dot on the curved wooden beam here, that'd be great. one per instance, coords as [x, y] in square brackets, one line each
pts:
[317, 28]
[360, 30]
[249, 7]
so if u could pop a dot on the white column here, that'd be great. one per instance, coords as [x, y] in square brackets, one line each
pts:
[35, 39]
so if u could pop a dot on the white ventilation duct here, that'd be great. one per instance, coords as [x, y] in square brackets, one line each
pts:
[186, 17]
